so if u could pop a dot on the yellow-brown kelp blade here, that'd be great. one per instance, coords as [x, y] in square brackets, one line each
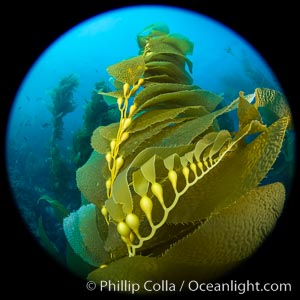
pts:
[210, 250]
[128, 71]
[122, 196]
[90, 180]
[246, 112]
[238, 173]
[171, 44]
[82, 231]
[156, 29]
[273, 101]
[60, 211]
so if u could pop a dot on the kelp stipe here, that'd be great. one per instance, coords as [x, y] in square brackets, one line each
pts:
[169, 188]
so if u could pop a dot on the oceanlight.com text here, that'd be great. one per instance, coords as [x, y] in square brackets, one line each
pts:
[185, 285]
[239, 287]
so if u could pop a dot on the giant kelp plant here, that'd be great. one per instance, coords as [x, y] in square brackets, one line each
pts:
[169, 188]
[62, 104]
[51, 211]
[97, 113]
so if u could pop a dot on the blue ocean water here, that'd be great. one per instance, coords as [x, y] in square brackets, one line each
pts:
[223, 63]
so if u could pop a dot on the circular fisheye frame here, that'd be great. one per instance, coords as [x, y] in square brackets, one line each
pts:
[137, 147]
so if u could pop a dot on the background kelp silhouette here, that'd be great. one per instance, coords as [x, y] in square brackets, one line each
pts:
[170, 187]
